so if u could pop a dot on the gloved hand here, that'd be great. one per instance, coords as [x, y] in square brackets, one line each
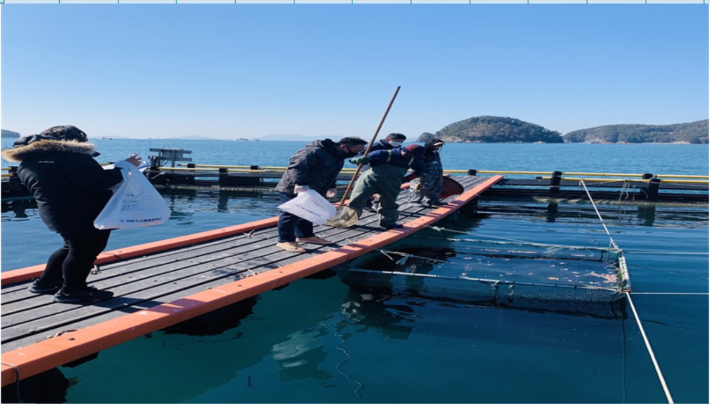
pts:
[300, 188]
[360, 160]
[331, 193]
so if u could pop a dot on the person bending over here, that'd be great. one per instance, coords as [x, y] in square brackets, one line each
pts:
[315, 167]
[385, 178]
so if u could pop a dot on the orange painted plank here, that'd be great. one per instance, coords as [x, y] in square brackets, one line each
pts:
[45, 355]
[23, 274]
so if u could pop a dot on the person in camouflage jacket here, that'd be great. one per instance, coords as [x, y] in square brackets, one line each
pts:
[432, 181]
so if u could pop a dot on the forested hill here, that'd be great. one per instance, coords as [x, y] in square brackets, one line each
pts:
[10, 134]
[693, 132]
[494, 129]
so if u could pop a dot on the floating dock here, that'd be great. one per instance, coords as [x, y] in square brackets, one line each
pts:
[160, 284]
[646, 187]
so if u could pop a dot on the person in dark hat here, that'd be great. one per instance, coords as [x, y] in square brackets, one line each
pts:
[433, 177]
[391, 141]
[315, 167]
[385, 179]
[71, 189]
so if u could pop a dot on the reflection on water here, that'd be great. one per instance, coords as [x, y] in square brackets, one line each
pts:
[319, 340]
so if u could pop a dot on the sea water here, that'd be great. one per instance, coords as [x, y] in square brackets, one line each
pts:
[319, 340]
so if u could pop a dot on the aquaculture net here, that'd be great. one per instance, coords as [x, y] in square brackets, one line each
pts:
[587, 280]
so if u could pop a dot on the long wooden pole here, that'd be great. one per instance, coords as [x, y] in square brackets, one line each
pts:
[369, 146]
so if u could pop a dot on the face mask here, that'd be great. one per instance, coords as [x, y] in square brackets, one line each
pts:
[348, 153]
[396, 144]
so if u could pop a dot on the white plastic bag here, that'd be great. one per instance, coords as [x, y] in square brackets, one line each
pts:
[310, 205]
[135, 202]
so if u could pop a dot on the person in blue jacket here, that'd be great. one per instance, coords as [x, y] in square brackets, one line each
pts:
[385, 178]
[71, 189]
[391, 141]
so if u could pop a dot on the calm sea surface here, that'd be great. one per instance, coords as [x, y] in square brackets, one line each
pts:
[320, 341]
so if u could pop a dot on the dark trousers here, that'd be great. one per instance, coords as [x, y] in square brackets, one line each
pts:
[71, 264]
[291, 226]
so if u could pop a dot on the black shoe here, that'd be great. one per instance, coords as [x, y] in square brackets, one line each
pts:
[43, 288]
[88, 295]
[437, 203]
[391, 226]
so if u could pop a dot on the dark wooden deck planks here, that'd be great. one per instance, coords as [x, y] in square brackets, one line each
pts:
[217, 263]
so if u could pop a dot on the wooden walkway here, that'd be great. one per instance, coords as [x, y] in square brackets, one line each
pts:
[159, 284]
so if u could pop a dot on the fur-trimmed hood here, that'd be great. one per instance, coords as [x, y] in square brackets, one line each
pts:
[29, 150]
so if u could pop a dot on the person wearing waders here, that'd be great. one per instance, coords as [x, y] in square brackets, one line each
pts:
[392, 141]
[433, 177]
[385, 178]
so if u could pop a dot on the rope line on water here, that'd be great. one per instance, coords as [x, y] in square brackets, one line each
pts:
[650, 351]
[623, 361]
[666, 252]
[339, 347]
[440, 229]
[594, 205]
[672, 293]
[633, 308]
[406, 256]
[17, 380]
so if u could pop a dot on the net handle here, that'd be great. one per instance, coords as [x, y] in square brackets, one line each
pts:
[369, 146]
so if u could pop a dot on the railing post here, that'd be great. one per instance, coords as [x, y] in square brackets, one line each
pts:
[555, 182]
[223, 177]
[472, 172]
[653, 186]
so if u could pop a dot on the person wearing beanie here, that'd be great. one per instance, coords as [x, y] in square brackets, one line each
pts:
[385, 178]
[71, 189]
[391, 141]
[427, 190]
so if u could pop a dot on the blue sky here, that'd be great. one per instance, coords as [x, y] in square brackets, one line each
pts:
[231, 71]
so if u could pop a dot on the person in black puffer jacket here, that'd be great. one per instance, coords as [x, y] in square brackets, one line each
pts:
[71, 189]
[315, 167]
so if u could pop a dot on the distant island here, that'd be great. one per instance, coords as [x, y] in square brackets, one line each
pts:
[291, 138]
[10, 134]
[693, 133]
[494, 129]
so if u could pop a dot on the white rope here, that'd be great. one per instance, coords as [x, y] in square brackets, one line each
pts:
[613, 243]
[386, 255]
[408, 256]
[665, 252]
[525, 243]
[672, 293]
[633, 308]
[440, 229]
[650, 351]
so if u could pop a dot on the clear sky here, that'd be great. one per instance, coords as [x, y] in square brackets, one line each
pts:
[230, 71]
